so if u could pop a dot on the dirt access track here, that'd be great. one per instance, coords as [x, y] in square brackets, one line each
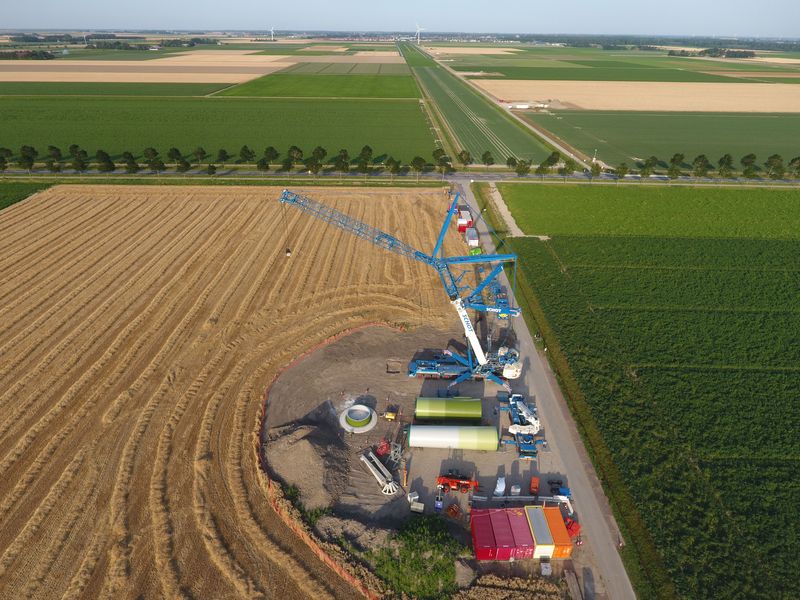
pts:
[651, 96]
[139, 329]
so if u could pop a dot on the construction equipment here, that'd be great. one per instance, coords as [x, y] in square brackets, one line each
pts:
[453, 480]
[454, 511]
[496, 366]
[534, 487]
[392, 413]
[381, 473]
[524, 426]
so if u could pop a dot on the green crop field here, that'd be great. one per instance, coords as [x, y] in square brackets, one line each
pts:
[14, 88]
[106, 54]
[413, 56]
[621, 136]
[347, 69]
[395, 127]
[478, 125]
[677, 312]
[593, 64]
[12, 192]
[327, 86]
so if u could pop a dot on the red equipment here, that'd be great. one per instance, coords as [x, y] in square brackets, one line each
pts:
[573, 528]
[454, 481]
[383, 448]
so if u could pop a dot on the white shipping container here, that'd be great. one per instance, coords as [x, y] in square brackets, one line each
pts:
[471, 235]
[465, 215]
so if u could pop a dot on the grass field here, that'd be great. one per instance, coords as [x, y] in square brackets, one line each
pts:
[397, 127]
[621, 136]
[11, 193]
[328, 86]
[478, 125]
[678, 316]
[16, 88]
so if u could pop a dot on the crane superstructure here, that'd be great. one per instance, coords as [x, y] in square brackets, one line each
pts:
[451, 270]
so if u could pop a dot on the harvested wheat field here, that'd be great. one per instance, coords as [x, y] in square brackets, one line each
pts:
[139, 328]
[650, 95]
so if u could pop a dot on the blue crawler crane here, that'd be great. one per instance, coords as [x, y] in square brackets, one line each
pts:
[486, 296]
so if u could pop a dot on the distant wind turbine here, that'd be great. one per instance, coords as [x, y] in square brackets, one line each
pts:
[272, 33]
[419, 29]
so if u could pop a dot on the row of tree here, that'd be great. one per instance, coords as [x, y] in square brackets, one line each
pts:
[774, 167]
[78, 160]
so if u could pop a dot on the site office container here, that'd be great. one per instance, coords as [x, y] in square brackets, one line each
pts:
[558, 530]
[482, 535]
[471, 235]
[465, 217]
[540, 531]
[503, 537]
[523, 540]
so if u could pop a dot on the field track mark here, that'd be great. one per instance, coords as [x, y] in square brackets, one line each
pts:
[120, 551]
[146, 257]
[132, 325]
[40, 234]
[32, 219]
[62, 537]
[67, 290]
[85, 571]
[19, 274]
[77, 248]
[158, 500]
[50, 501]
[43, 457]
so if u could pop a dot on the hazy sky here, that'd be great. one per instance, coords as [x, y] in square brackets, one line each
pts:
[778, 18]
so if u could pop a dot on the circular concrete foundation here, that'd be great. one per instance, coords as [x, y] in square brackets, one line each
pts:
[358, 419]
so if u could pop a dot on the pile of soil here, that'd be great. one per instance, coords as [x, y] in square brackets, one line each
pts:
[491, 587]
[331, 528]
[298, 454]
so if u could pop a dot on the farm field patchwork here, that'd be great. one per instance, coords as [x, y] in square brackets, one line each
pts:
[396, 127]
[140, 327]
[651, 95]
[678, 314]
[330, 86]
[477, 124]
[626, 73]
[623, 136]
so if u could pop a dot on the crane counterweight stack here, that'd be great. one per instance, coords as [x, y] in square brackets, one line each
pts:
[478, 364]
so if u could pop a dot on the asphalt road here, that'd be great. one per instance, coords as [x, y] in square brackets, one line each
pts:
[598, 525]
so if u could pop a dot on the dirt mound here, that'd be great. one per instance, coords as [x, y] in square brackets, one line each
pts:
[491, 587]
[312, 458]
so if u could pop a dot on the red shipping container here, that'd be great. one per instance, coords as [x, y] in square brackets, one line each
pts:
[482, 535]
[462, 229]
[523, 539]
[503, 537]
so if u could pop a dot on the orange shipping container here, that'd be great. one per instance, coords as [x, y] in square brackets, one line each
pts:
[558, 530]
